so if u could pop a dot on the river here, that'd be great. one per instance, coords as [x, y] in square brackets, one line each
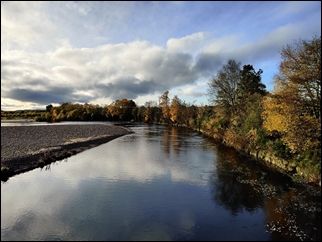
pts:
[160, 183]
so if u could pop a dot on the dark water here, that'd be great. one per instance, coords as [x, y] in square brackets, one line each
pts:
[157, 184]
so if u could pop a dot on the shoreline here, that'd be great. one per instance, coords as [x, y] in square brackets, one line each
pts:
[14, 163]
[260, 159]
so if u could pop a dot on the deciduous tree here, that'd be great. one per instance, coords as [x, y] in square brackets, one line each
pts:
[223, 88]
[164, 103]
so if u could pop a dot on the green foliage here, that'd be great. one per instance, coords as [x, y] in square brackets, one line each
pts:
[309, 165]
[73, 112]
[49, 107]
[223, 88]
[281, 150]
[250, 82]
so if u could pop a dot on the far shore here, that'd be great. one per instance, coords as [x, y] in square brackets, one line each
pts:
[24, 148]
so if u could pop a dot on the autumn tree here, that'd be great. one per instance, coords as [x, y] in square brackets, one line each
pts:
[176, 110]
[164, 103]
[148, 112]
[294, 109]
[122, 109]
[300, 71]
[275, 114]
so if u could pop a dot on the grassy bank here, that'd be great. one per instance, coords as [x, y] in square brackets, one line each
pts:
[300, 170]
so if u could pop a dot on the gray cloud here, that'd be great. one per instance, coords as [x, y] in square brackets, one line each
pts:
[128, 87]
[54, 95]
[269, 46]
[208, 63]
[133, 69]
[111, 71]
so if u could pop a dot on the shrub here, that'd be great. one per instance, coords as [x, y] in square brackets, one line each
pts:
[281, 150]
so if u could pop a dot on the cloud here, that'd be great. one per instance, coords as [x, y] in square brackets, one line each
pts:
[44, 59]
[128, 87]
[220, 44]
[125, 70]
[187, 44]
[257, 51]
[25, 25]
[208, 63]
[58, 95]
[271, 44]
[193, 90]
[83, 8]
[12, 104]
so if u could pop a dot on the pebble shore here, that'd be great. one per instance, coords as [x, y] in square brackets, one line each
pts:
[27, 147]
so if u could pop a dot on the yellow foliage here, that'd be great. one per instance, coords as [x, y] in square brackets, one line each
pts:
[275, 115]
[176, 110]
[252, 138]
[232, 138]
[303, 133]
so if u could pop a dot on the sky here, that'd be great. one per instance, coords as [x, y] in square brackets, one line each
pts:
[97, 52]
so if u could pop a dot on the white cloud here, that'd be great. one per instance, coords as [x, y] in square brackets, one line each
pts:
[102, 101]
[221, 44]
[110, 71]
[41, 64]
[8, 104]
[83, 8]
[25, 25]
[189, 43]
[141, 100]
[193, 90]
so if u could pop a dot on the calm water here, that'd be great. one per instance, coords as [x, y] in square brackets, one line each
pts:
[157, 184]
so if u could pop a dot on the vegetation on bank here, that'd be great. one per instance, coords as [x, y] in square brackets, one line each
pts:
[21, 114]
[282, 127]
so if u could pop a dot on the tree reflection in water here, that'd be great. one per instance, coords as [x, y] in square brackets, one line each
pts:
[240, 184]
[159, 183]
[229, 187]
[173, 139]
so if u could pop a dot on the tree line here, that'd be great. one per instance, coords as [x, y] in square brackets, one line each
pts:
[285, 123]
[21, 114]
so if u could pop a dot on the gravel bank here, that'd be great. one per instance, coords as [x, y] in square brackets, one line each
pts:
[27, 147]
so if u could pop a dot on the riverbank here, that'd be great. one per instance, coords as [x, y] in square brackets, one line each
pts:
[24, 148]
[291, 168]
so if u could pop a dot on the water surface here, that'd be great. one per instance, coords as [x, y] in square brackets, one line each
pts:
[157, 184]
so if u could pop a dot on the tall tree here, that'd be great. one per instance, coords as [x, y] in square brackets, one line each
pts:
[250, 91]
[294, 109]
[122, 109]
[49, 107]
[250, 82]
[223, 88]
[148, 114]
[300, 75]
[176, 110]
[164, 103]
